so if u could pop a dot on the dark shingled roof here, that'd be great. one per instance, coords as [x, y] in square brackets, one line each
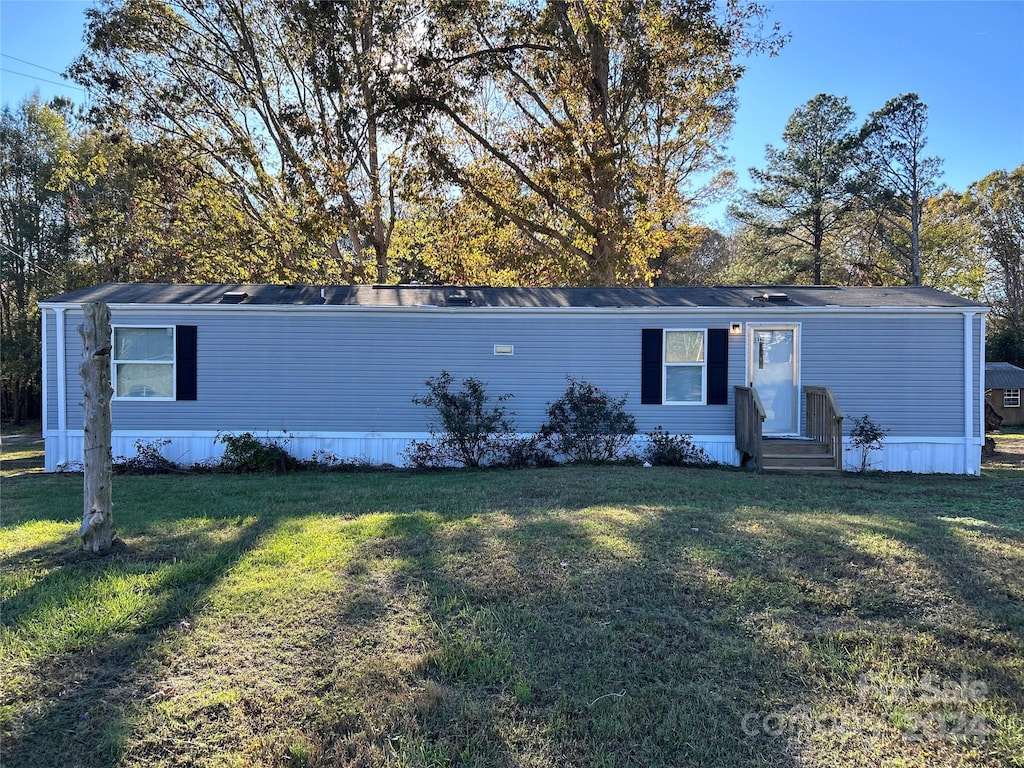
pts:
[1003, 376]
[470, 296]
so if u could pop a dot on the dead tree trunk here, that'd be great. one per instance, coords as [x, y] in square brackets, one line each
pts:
[97, 531]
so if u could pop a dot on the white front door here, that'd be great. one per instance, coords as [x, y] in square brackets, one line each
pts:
[775, 373]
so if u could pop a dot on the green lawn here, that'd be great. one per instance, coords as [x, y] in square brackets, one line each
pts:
[21, 458]
[580, 616]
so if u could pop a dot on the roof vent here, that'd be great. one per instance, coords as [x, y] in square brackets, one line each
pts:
[233, 297]
[774, 298]
[460, 299]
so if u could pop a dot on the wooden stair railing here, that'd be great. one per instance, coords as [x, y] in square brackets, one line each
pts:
[825, 420]
[750, 416]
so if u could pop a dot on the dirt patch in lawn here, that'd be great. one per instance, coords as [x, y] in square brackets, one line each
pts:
[1009, 451]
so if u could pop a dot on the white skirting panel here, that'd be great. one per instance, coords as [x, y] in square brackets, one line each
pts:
[194, 447]
[904, 454]
[376, 448]
[926, 455]
[720, 450]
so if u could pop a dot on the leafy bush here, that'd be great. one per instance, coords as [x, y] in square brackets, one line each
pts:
[472, 431]
[325, 461]
[521, 452]
[207, 466]
[666, 450]
[248, 453]
[424, 454]
[866, 437]
[586, 424]
[148, 460]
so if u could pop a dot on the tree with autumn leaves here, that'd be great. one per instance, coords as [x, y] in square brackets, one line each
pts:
[454, 141]
[584, 124]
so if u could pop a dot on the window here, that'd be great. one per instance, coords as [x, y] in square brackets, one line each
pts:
[143, 363]
[684, 367]
[1011, 398]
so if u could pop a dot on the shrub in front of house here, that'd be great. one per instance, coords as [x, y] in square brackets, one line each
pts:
[524, 452]
[473, 430]
[148, 460]
[586, 424]
[668, 450]
[325, 461]
[247, 453]
[866, 436]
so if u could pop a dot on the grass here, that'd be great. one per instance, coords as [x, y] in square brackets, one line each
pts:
[25, 429]
[21, 458]
[585, 616]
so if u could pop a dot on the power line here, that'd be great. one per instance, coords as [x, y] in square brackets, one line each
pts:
[42, 79]
[31, 64]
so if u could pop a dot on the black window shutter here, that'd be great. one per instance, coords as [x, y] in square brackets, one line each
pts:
[650, 368]
[186, 362]
[718, 366]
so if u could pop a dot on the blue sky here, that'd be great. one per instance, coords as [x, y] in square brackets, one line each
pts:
[964, 58]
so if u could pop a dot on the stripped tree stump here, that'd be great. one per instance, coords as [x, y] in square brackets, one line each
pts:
[97, 531]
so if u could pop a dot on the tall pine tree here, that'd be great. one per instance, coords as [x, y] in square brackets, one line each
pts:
[805, 191]
[897, 178]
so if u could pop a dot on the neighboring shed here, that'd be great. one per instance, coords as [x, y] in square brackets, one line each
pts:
[337, 367]
[1004, 383]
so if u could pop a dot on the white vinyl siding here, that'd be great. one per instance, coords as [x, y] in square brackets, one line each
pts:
[357, 371]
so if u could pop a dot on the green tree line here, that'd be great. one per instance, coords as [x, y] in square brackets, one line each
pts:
[504, 142]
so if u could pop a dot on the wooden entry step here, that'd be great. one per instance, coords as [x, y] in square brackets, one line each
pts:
[797, 455]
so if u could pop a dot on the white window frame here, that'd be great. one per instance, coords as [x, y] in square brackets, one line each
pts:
[173, 362]
[1011, 398]
[665, 365]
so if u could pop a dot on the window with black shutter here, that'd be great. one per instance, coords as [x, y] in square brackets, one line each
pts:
[153, 362]
[684, 367]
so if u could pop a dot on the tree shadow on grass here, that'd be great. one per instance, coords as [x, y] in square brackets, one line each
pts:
[70, 706]
[561, 642]
[505, 618]
[990, 592]
[72, 574]
[882, 598]
[654, 642]
[896, 552]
